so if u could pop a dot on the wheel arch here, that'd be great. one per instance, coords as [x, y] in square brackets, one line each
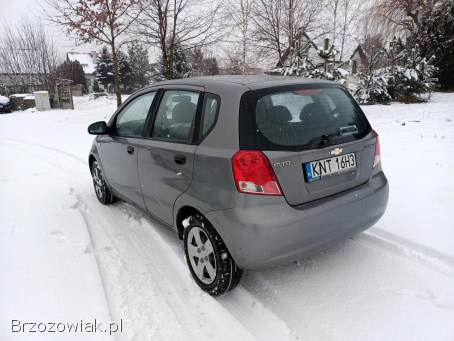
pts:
[91, 159]
[184, 212]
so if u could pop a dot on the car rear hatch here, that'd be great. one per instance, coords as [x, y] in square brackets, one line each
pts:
[316, 137]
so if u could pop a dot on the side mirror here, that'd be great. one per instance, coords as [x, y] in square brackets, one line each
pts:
[98, 128]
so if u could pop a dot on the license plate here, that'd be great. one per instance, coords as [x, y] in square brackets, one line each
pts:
[319, 169]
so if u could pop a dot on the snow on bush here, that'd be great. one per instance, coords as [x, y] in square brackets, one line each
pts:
[373, 88]
[414, 77]
[406, 82]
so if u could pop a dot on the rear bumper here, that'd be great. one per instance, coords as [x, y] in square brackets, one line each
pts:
[266, 231]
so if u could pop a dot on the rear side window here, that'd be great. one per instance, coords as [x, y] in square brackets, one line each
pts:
[175, 117]
[209, 113]
[131, 120]
[299, 118]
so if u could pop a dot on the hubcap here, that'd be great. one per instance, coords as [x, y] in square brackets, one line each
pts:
[201, 255]
[97, 180]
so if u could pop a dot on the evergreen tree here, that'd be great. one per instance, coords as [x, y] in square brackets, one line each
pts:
[201, 65]
[197, 61]
[104, 68]
[95, 86]
[436, 38]
[414, 77]
[181, 67]
[72, 70]
[125, 70]
[211, 66]
[373, 88]
[300, 64]
[141, 69]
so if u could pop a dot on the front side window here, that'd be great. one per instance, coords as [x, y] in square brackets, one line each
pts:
[131, 120]
[300, 118]
[175, 117]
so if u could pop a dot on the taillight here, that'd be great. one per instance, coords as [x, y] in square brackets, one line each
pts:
[377, 157]
[252, 173]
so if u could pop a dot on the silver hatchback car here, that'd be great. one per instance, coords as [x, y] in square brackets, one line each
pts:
[251, 171]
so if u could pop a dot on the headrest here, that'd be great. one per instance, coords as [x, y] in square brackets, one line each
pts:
[310, 110]
[280, 114]
[183, 112]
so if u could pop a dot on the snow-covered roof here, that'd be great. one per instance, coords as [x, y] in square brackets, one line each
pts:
[86, 59]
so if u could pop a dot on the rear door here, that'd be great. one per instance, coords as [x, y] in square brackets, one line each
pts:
[119, 150]
[167, 155]
[316, 138]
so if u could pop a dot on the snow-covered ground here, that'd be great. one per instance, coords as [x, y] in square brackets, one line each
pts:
[65, 257]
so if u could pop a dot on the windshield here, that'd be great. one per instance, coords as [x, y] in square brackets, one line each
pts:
[299, 118]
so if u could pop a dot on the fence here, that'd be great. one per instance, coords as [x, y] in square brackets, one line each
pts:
[60, 97]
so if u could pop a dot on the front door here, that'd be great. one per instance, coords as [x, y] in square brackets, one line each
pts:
[119, 150]
[166, 158]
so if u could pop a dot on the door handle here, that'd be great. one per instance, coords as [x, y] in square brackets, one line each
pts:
[180, 159]
[130, 149]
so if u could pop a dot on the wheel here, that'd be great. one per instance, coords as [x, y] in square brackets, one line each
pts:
[209, 260]
[102, 191]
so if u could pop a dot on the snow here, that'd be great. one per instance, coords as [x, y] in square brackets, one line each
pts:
[87, 60]
[20, 95]
[4, 100]
[66, 257]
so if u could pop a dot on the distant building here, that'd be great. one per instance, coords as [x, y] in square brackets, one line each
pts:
[88, 62]
[310, 51]
[358, 61]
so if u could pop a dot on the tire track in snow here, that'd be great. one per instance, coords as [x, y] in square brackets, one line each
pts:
[70, 155]
[266, 325]
[92, 224]
[92, 242]
[417, 252]
[244, 304]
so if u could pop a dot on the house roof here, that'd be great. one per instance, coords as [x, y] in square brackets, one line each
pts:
[360, 51]
[286, 53]
[86, 59]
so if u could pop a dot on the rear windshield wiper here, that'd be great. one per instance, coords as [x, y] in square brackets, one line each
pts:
[327, 139]
[323, 140]
[352, 129]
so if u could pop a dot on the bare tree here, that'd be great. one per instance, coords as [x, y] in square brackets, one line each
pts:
[279, 22]
[27, 53]
[239, 12]
[393, 17]
[172, 23]
[100, 21]
[350, 12]
[333, 8]
[342, 18]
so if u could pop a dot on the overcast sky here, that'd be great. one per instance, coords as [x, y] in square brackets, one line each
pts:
[13, 10]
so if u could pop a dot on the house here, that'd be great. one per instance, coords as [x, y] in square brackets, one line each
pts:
[88, 62]
[358, 61]
[310, 50]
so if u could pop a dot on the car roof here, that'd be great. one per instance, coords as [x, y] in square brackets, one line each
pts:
[249, 81]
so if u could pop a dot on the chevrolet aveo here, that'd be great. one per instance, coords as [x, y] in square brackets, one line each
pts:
[251, 171]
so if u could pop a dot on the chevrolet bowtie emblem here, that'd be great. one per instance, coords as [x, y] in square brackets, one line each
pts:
[336, 151]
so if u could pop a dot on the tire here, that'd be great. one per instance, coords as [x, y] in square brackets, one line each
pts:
[208, 258]
[102, 190]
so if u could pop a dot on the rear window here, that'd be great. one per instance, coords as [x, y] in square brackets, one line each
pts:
[299, 118]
